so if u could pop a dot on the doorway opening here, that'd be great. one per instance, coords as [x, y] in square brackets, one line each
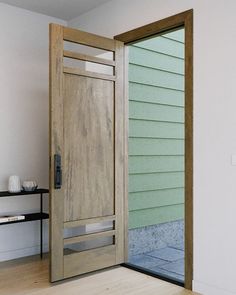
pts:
[160, 159]
[156, 154]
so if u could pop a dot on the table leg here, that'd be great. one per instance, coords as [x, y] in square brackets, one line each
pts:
[41, 226]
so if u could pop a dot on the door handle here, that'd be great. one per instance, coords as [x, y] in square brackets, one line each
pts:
[57, 171]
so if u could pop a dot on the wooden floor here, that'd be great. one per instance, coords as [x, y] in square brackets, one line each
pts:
[30, 276]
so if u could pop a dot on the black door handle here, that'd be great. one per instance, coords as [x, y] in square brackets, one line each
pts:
[57, 171]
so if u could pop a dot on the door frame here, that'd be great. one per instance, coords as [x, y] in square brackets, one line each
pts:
[184, 19]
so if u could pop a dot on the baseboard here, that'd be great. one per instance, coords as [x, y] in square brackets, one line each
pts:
[206, 289]
[18, 253]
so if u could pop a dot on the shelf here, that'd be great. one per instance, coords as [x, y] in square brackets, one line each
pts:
[36, 192]
[29, 217]
[32, 216]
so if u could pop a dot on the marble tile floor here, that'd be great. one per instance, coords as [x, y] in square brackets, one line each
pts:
[167, 261]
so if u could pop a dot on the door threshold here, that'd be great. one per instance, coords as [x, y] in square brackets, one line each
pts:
[153, 274]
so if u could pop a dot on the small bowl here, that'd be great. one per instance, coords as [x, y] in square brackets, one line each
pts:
[29, 189]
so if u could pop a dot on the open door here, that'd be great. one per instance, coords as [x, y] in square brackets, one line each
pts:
[87, 144]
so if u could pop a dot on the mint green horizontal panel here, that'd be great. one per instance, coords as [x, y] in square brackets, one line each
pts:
[155, 60]
[155, 215]
[155, 146]
[155, 129]
[177, 35]
[154, 77]
[155, 199]
[164, 45]
[145, 164]
[147, 182]
[154, 94]
[147, 111]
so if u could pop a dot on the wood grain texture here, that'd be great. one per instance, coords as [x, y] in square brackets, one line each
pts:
[126, 154]
[56, 147]
[89, 58]
[160, 26]
[184, 19]
[88, 39]
[24, 275]
[189, 150]
[29, 276]
[119, 148]
[88, 148]
[88, 108]
[90, 260]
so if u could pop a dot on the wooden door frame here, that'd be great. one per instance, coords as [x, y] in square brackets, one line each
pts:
[184, 19]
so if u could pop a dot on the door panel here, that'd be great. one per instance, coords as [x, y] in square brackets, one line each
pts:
[90, 260]
[88, 147]
[87, 130]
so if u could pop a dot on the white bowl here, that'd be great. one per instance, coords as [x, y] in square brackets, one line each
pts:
[29, 185]
[29, 189]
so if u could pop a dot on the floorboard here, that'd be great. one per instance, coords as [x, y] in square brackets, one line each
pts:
[30, 276]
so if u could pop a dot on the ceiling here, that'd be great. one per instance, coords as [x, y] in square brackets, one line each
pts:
[63, 9]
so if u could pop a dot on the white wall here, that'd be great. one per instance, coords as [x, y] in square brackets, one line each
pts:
[214, 123]
[23, 120]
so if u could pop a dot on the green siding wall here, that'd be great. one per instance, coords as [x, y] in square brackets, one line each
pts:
[156, 130]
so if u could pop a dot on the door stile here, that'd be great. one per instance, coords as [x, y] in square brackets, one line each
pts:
[119, 152]
[56, 147]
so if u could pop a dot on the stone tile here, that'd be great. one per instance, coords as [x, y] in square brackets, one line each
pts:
[179, 246]
[167, 253]
[148, 238]
[146, 261]
[158, 270]
[176, 267]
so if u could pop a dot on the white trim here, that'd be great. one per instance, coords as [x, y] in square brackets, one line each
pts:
[18, 253]
[206, 289]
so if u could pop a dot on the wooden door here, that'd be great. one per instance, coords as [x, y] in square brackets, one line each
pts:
[87, 144]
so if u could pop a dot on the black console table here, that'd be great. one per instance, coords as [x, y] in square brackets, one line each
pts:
[32, 216]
